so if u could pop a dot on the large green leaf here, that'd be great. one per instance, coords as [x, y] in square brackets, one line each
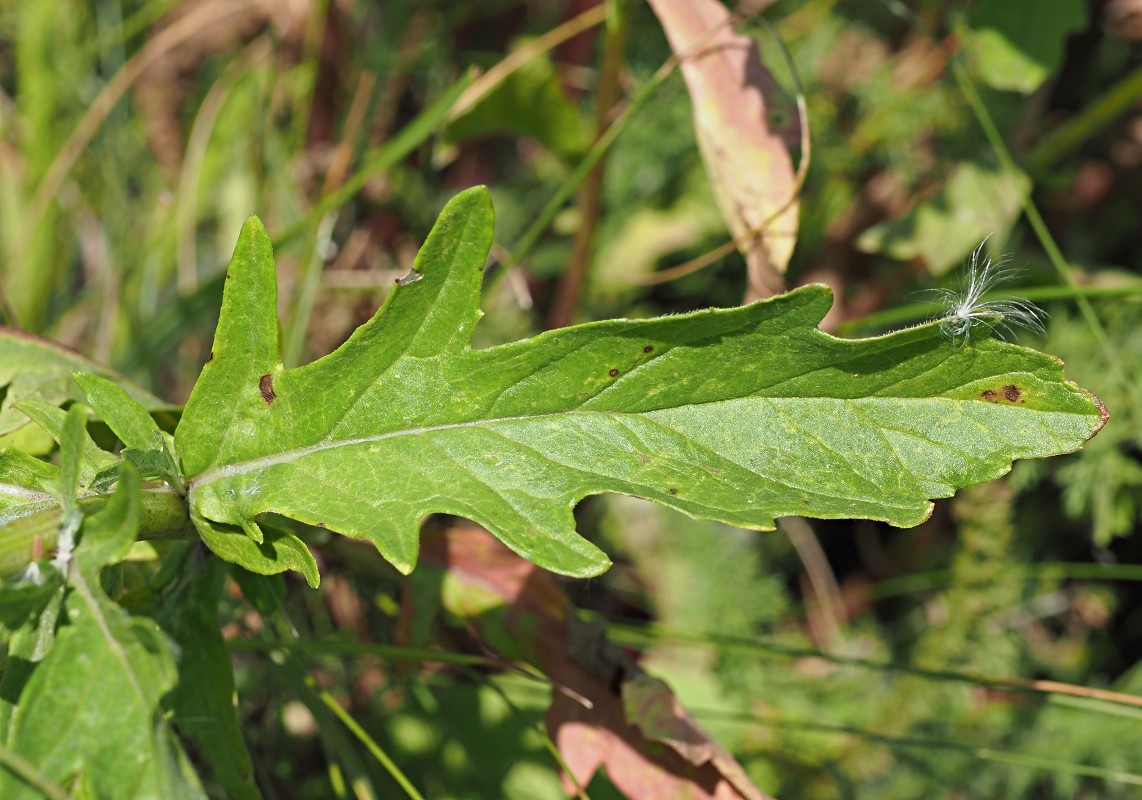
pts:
[89, 712]
[35, 368]
[739, 415]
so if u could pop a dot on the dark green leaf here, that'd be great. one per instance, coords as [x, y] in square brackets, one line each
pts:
[22, 600]
[203, 701]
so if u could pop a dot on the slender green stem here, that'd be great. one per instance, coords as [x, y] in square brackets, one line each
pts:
[370, 744]
[914, 312]
[982, 753]
[539, 728]
[1102, 111]
[343, 648]
[636, 634]
[928, 581]
[307, 295]
[1039, 226]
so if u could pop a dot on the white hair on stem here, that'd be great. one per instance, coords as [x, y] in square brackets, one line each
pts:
[966, 310]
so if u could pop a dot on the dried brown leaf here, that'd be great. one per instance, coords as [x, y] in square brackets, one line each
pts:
[744, 132]
[605, 712]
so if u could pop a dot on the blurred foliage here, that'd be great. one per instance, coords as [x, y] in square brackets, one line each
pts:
[135, 137]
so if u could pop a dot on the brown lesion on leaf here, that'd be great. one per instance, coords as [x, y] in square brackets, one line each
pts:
[266, 387]
[613, 372]
[211, 357]
[648, 349]
[672, 490]
[1011, 393]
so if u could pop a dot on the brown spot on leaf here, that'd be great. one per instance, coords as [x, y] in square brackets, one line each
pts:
[266, 387]
[988, 394]
[211, 358]
[1011, 392]
[648, 349]
[672, 490]
[320, 525]
[613, 372]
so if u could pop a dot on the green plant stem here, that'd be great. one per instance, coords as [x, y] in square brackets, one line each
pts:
[914, 312]
[982, 753]
[390, 652]
[936, 579]
[1103, 110]
[623, 632]
[307, 293]
[370, 744]
[164, 516]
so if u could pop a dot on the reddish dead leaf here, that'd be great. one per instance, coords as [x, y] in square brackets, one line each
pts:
[744, 131]
[605, 711]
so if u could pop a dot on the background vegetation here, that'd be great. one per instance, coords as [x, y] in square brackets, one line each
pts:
[833, 659]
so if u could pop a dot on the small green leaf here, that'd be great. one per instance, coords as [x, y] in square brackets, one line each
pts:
[124, 415]
[73, 439]
[105, 665]
[1018, 44]
[739, 415]
[156, 462]
[147, 446]
[51, 419]
[278, 551]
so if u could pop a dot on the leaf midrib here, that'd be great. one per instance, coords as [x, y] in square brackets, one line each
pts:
[286, 456]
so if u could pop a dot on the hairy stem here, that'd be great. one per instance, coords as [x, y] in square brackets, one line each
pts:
[22, 540]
